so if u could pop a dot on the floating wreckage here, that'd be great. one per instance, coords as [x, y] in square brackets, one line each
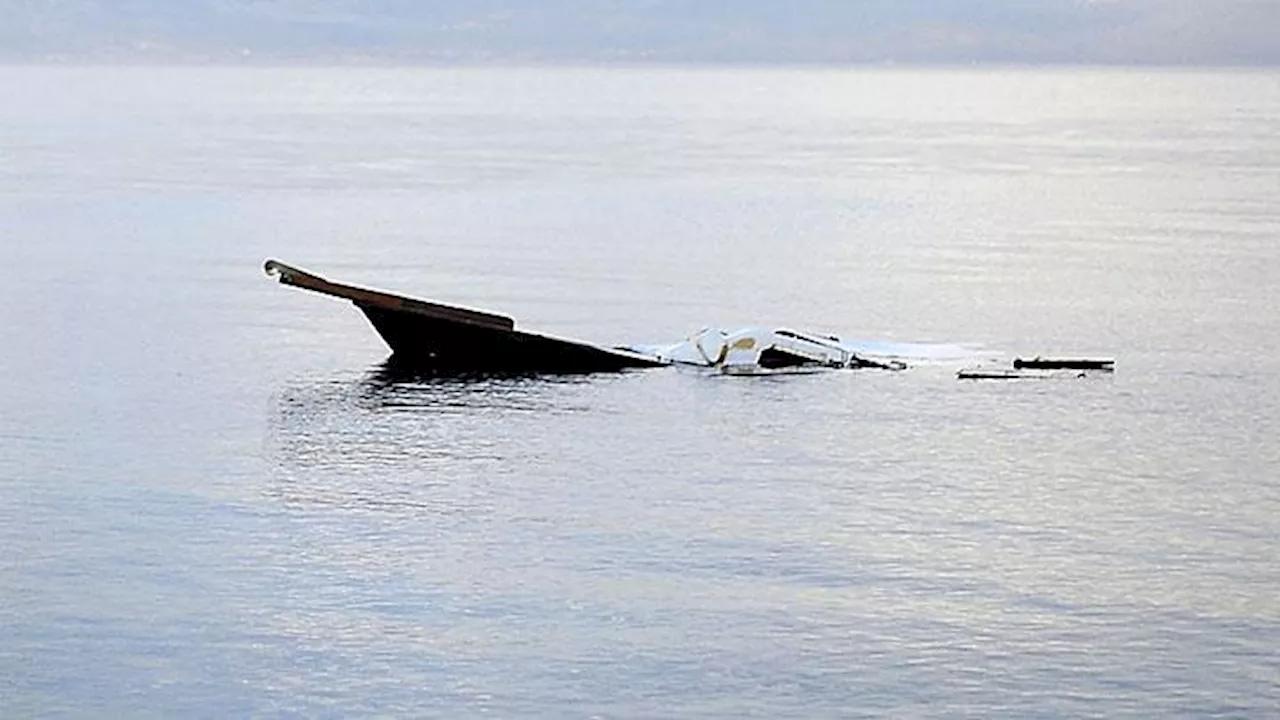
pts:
[1041, 363]
[443, 339]
[437, 338]
[1040, 368]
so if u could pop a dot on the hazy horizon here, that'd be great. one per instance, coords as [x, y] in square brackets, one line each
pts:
[855, 32]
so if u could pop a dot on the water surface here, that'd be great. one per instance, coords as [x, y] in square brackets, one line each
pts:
[213, 502]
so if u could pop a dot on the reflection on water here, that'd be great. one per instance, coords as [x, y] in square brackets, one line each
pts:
[874, 531]
[399, 385]
[396, 439]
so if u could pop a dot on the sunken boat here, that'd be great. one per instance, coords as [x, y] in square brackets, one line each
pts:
[437, 338]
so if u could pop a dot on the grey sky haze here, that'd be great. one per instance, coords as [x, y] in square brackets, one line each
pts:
[1177, 32]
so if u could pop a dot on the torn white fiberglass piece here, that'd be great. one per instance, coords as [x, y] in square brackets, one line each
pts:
[752, 349]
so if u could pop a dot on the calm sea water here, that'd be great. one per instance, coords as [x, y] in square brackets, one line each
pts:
[213, 504]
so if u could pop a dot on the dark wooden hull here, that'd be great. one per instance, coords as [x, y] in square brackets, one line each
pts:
[434, 338]
[448, 347]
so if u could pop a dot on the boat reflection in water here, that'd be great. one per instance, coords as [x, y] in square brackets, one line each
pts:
[403, 442]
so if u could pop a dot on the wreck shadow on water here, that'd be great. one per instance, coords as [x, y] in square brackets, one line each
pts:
[403, 440]
[399, 372]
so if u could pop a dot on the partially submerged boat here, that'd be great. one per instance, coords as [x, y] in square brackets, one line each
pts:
[446, 338]
[434, 337]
